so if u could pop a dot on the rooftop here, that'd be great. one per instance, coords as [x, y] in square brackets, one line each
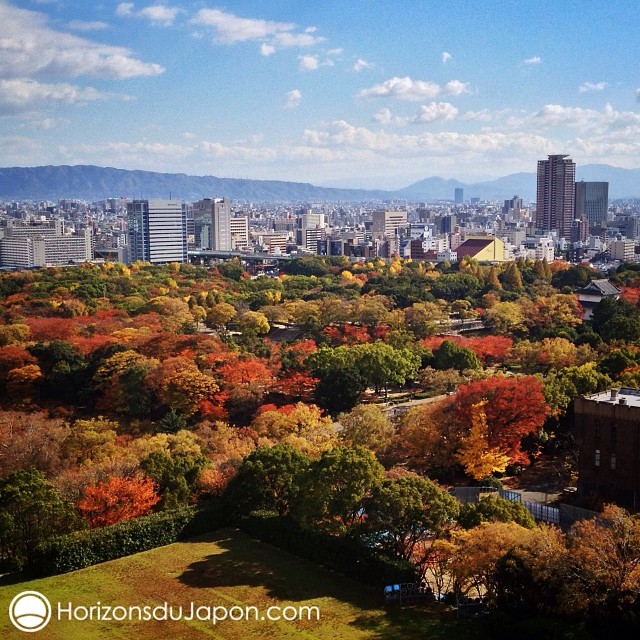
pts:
[603, 287]
[623, 395]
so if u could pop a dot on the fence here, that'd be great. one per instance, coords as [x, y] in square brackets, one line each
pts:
[543, 512]
[472, 494]
[563, 516]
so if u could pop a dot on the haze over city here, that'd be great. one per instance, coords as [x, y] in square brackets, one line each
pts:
[341, 94]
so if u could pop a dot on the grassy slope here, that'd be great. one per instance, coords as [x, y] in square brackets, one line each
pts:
[228, 568]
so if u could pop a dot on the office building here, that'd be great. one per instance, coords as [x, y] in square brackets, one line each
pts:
[310, 229]
[458, 196]
[44, 245]
[157, 231]
[388, 224]
[556, 195]
[212, 221]
[592, 201]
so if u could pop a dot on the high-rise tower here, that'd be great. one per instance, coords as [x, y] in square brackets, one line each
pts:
[556, 194]
[592, 201]
[157, 231]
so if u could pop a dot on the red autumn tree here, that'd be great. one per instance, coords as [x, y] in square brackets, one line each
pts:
[244, 371]
[117, 499]
[13, 356]
[296, 385]
[514, 406]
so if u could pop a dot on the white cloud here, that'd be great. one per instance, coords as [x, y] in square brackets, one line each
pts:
[230, 29]
[534, 60]
[446, 57]
[19, 95]
[159, 14]
[408, 89]
[463, 147]
[483, 115]
[30, 48]
[362, 64]
[124, 9]
[83, 25]
[456, 88]
[312, 62]
[555, 115]
[435, 111]
[293, 99]
[405, 88]
[384, 116]
[309, 62]
[593, 86]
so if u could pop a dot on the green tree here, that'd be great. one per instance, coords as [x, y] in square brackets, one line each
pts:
[268, 478]
[616, 320]
[492, 508]
[407, 514]
[511, 278]
[175, 475]
[31, 511]
[449, 355]
[456, 286]
[339, 389]
[382, 365]
[334, 488]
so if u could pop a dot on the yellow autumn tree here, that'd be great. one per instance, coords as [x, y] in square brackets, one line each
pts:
[476, 456]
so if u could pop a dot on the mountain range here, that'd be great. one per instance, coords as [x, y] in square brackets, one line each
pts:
[88, 182]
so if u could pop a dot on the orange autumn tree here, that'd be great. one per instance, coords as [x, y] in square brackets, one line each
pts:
[117, 499]
[515, 407]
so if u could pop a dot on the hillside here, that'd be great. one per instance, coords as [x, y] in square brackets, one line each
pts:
[90, 182]
[97, 183]
[228, 569]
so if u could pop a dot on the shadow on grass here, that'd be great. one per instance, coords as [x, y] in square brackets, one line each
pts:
[427, 622]
[252, 563]
[285, 577]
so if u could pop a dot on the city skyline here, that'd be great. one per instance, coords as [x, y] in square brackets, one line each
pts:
[357, 95]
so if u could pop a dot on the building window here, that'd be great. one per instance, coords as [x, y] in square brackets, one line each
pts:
[613, 462]
[597, 458]
[597, 430]
[614, 436]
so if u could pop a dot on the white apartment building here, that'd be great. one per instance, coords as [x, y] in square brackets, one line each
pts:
[623, 250]
[239, 229]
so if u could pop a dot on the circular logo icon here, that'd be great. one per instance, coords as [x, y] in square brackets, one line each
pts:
[30, 611]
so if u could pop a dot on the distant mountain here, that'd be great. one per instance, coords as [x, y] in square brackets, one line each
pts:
[97, 183]
[89, 182]
[623, 183]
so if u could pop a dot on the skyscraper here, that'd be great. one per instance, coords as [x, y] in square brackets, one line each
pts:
[556, 194]
[157, 231]
[592, 201]
[213, 214]
[458, 196]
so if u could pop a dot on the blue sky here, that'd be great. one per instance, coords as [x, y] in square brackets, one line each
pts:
[351, 93]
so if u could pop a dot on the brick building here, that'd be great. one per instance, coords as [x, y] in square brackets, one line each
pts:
[607, 431]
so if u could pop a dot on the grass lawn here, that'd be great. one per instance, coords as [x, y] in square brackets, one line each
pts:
[228, 568]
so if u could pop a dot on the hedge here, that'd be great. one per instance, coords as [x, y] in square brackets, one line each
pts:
[85, 548]
[344, 554]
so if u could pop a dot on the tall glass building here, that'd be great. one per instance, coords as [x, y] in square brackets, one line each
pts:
[157, 231]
